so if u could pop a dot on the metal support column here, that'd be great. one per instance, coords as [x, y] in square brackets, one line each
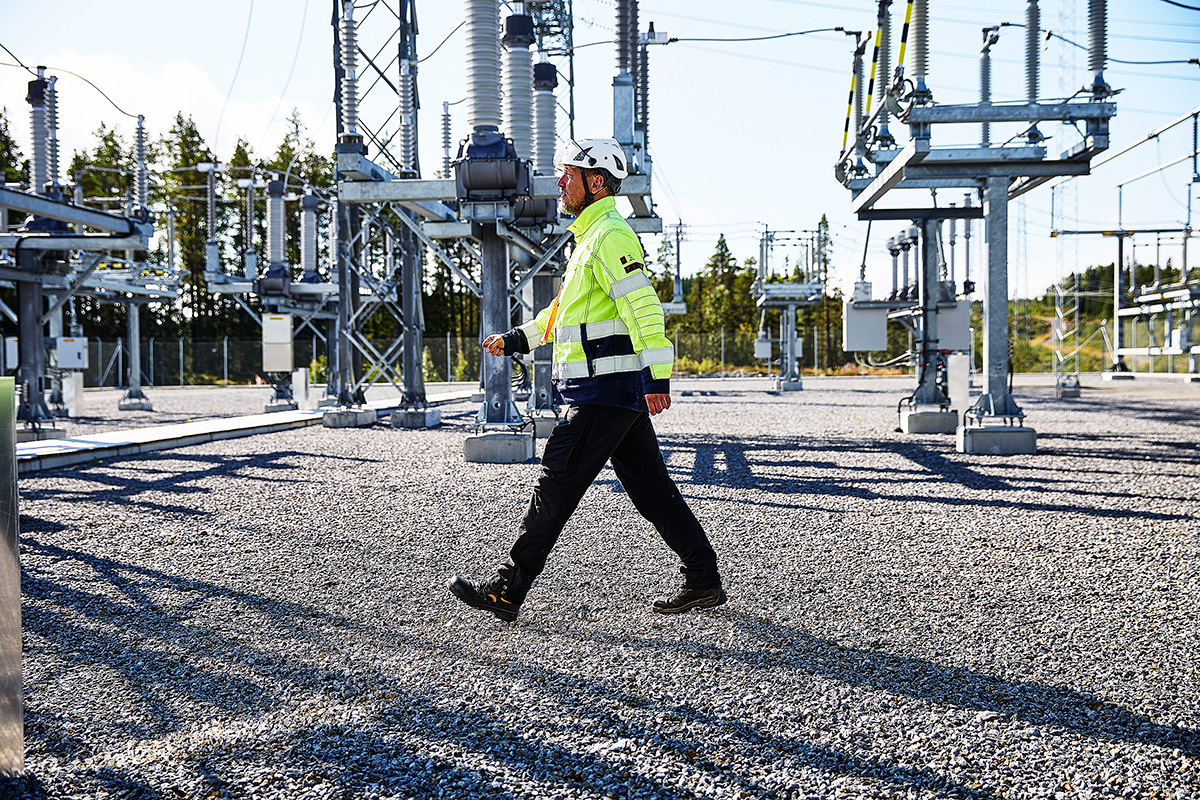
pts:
[31, 350]
[929, 287]
[498, 406]
[12, 730]
[134, 399]
[414, 319]
[996, 401]
[543, 393]
[345, 378]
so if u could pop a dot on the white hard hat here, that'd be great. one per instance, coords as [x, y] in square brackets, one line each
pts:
[603, 154]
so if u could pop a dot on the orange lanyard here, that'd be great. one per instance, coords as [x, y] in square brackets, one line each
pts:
[553, 314]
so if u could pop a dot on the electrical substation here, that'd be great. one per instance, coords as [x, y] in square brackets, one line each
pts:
[948, 576]
[494, 205]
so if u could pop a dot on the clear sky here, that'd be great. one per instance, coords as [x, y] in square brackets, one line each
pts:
[744, 134]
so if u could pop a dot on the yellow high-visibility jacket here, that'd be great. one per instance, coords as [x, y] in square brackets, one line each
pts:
[610, 347]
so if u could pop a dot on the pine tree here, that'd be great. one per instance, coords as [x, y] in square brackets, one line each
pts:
[183, 148]
[663, 278]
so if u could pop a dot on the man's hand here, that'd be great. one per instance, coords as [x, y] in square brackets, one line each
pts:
[658, 402]
[494, 344]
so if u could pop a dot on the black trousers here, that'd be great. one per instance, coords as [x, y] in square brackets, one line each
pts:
[577, 450]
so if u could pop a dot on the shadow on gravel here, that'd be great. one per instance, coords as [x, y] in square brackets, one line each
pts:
[1123, 448]
[149, 627]
[171, 473]
[773, 645]
[169, 641]
[779, 466]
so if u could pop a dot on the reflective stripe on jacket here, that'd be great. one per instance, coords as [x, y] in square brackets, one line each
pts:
[609, 319]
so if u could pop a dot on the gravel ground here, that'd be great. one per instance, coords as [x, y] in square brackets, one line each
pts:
[266, 617]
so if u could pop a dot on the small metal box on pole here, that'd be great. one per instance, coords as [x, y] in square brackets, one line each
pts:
[277, 355]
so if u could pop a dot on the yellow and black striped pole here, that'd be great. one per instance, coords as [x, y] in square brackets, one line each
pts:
[849, 108]
[904, 33]
[874, 61]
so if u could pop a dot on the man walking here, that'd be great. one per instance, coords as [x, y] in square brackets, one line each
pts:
[612, 365]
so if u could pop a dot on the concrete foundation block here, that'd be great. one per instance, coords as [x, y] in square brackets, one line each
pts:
[544, 426]
[1117, 376]
[928, 421]
[39, 434]
[788, 386]
[134, 404]
[1186, 377]
[349, 418]
[327, 402]
[997, 440]
[499, 447]
[417, 418]
[280, 405]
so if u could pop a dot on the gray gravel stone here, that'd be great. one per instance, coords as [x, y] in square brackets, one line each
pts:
[265, 617]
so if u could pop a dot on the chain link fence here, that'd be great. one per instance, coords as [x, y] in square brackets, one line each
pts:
[178, 362]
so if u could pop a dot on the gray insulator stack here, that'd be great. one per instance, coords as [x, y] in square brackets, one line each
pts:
[483, 63]
[859, 91]
[920, 43]
[1033, 36]
[275, 225]
[628, 52]
[518, 83]
[37, 132]
[883, 66]
[643, 100]
[545, 80]
[349, 42]
[308, 234]
[140, 155]
[1098, 41]
[445, 139]
[408, 130]
[623, 40]
[52, 130]
[985, 82]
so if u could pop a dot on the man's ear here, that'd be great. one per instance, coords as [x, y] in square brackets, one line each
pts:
[596, 188]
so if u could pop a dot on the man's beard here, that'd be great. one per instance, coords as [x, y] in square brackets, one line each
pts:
[565, 207]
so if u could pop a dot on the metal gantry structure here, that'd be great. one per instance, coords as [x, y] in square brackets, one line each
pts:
[874, 167]
[64, 250]
[499, 208]
[1165, 314]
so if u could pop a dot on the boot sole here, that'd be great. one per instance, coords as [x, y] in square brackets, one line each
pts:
[468, 596]
[704, 602]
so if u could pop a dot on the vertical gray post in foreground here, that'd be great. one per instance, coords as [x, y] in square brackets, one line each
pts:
[497, 381]
[12, 731]
[995, 309]
[929, 290]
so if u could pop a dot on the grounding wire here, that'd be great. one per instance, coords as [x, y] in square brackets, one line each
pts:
[660, 173]
[19, 61]
[237, 69]
[442, 42]
[85, 80]
[753, 38]
[291, 72]
[1060, 37]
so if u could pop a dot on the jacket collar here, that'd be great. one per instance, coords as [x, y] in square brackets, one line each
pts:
[591, 215]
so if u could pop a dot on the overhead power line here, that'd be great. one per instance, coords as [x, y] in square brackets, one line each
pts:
[1181, 5]
[19, 61]
[754, 38]
[442, 42]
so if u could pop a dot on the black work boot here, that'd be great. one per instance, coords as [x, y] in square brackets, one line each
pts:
[686, 599]
[498, 594]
